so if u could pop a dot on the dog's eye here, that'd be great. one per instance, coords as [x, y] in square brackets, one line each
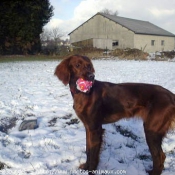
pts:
[77, 65]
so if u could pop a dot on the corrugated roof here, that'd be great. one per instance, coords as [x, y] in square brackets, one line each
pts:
[137, 26]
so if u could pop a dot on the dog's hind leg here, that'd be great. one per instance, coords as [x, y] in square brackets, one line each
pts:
[154, 141]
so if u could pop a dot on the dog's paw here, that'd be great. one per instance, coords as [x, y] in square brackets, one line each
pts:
[151, 172]
[83, 166]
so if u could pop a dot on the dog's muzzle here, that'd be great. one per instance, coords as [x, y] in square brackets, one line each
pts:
[91, 76]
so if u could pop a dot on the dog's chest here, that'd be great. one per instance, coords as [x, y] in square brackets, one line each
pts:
[81, 103]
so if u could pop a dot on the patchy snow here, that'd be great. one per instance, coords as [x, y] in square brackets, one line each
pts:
[28, 90]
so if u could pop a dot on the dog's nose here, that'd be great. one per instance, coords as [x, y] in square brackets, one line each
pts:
[91, 76]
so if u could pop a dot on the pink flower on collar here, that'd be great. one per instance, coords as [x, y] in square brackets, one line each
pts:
[84, 85]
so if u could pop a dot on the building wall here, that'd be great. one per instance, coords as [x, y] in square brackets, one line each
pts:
[103, 30]
[84, 43]
[144, 42]
[102, 43]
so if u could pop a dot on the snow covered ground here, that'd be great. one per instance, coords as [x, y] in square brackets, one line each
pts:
[28, 90]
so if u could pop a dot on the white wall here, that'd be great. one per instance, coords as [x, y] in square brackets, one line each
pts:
[144, 42]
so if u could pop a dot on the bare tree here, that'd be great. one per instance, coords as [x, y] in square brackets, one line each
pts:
[51, 40]
[45, 35]
[56, 34]
[51, 34]
[109, 12]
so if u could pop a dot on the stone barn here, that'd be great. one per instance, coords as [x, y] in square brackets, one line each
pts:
[111, 32]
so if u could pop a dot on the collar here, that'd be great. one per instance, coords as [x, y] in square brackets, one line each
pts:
[74, 91]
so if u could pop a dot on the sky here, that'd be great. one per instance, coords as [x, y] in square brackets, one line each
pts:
[69, 14]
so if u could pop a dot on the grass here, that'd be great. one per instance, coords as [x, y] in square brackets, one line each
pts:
[125, 132]
[14, 58]
[144, 157]
[2, 165]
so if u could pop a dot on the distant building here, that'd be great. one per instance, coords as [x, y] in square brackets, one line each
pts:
[111, 32]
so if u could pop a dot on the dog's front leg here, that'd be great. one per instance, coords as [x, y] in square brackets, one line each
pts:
[93, 145]
[84, 166]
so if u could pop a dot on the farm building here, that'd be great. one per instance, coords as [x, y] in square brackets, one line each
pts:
[111, 32]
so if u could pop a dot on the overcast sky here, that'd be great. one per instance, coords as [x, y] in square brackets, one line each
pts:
[69, 14]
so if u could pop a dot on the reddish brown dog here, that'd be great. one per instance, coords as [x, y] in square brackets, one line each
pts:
[108, 102]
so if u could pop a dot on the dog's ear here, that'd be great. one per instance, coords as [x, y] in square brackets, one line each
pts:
[62, 71]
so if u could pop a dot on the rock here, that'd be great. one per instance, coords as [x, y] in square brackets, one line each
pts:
[28, 125]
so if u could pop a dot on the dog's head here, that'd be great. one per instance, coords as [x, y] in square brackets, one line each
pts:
[75, 67]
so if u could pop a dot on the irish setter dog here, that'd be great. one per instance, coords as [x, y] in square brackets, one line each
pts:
[107, 102]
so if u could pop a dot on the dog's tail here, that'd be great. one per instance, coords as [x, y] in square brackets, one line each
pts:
[171, 115]
[172, 127]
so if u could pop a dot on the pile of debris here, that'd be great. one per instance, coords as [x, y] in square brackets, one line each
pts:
[162, 56]
[103, 53]
[168, 54]
[130, 54]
